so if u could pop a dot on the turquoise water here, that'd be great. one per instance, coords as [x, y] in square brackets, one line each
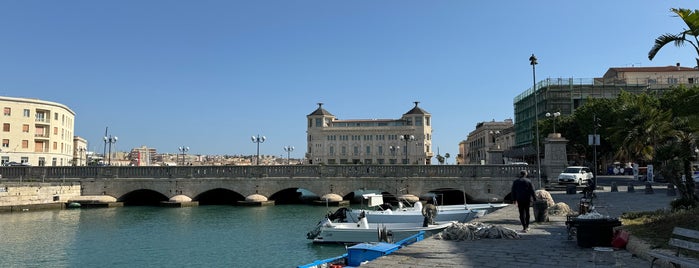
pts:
[205, 236]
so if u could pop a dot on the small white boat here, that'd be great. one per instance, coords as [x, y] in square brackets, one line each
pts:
[407, 213]
[490, 207]
[364, 232]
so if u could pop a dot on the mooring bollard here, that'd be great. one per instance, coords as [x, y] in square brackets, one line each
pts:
[614, 188]
[649, 188]
[671, 190]
[630, 189]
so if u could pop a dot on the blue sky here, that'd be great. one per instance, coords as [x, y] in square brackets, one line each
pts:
[210, 74]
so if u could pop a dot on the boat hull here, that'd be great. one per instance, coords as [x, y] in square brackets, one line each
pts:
[411, 215]
[352, 234]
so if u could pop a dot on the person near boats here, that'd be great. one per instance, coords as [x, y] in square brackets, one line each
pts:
[523, 195]
[429, 211]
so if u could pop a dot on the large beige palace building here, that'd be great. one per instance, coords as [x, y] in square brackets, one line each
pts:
[407, 140]
[36, 132]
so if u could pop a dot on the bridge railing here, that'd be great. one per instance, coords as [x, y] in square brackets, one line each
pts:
[280, 171]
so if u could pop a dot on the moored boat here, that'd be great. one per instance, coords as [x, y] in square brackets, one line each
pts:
[384, 213]
[362, 231]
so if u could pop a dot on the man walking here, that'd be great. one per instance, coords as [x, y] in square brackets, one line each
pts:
[523, 194]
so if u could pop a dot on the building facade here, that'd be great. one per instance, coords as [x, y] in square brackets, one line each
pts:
[36, 132]
[564, 95]
[487, 139]
[143, 156]
[80, 154]
[407, 140]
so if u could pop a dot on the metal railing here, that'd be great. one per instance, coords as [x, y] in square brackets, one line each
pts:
[281, 171]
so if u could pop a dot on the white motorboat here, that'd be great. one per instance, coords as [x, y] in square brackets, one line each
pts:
[406, 213]
[363, 231]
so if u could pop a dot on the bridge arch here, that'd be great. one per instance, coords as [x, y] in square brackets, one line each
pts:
[287, 196]
[218, 196]
[142, 197]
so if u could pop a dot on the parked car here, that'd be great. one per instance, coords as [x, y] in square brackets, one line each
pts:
[576, 174]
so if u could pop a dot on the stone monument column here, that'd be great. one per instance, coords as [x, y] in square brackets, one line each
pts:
[495, 156]
[555, 156]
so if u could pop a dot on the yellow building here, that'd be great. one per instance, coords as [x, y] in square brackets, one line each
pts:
[36, 132]
[407, 140]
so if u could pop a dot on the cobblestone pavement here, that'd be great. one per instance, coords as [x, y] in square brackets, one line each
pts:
[545, 245]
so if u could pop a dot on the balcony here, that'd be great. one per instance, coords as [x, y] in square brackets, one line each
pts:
[42, 120]
[41, 136]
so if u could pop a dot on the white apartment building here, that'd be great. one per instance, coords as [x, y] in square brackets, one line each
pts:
[407, 140]
[36, 132]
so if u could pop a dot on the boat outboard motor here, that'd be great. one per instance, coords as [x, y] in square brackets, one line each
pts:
[363, 222]
[340, 215]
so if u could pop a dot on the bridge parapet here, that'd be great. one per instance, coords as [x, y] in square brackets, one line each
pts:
[281, 171]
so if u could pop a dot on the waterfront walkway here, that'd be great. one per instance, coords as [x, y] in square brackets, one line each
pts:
[545, 245]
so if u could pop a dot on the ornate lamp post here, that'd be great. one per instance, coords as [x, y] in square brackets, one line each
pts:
[393, 150]
[288, 150]
[258, 139]
[110, 140]
[183, 150]
[407, 138]
[554, 115]
[533, 62]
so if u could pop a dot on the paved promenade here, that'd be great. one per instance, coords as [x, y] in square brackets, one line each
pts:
[545, 245]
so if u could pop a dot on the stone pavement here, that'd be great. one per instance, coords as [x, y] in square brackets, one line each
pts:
[545, 245]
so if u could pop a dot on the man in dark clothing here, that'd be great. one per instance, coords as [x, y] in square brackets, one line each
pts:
[523, 194]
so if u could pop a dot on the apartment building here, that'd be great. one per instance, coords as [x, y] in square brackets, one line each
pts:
[406, 140]
[36, 132]
[486, 143]
[564, 95]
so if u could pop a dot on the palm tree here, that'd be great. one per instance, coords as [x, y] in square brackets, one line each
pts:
[691, 19]
[447, 157]
[642, 126]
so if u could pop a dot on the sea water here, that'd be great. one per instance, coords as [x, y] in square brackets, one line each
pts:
[205, 236]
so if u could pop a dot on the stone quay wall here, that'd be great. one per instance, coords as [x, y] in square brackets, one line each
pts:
[26, 196]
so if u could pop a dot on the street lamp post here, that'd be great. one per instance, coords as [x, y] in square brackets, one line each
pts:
[110, 140]
[258, 139]
[183, 150]
[554, 115]
[595, 142]
[533, 62]
[407, 138]
[288, 150]
[393, 150]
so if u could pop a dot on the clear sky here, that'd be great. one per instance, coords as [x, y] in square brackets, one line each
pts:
[209, 74]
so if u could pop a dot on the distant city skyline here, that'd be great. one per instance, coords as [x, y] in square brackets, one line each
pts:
[209, 75]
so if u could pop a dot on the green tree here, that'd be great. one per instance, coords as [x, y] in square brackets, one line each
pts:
[677, 153]
[440, 159]
[582, 123]
[689, 35]
[641, 125]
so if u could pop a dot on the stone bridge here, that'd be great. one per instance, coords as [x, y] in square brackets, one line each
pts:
[230, 184]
